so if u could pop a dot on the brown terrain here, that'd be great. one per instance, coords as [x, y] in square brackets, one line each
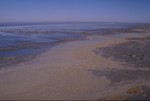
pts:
[98, 68]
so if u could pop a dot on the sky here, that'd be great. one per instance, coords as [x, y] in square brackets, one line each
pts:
[75, 10]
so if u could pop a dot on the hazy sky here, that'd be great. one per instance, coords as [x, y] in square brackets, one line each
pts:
[75, 10]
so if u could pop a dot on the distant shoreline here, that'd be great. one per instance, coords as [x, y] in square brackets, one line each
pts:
[58, 22]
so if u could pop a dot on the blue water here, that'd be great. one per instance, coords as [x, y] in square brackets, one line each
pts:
[14, 35]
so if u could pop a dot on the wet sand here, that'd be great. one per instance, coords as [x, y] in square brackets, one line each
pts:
[74, 71]
[24, 51]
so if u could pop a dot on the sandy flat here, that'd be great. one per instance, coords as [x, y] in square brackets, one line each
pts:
[63, 73]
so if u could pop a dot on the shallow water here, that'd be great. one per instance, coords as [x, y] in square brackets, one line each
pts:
[26, 39]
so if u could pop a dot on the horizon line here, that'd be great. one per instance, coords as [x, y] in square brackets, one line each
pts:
[39, 22]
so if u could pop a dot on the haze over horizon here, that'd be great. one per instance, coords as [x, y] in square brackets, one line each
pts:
[75, 10]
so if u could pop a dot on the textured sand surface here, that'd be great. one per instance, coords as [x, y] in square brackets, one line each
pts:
[63, 73]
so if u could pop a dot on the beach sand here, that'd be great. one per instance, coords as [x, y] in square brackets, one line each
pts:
[73, 71]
